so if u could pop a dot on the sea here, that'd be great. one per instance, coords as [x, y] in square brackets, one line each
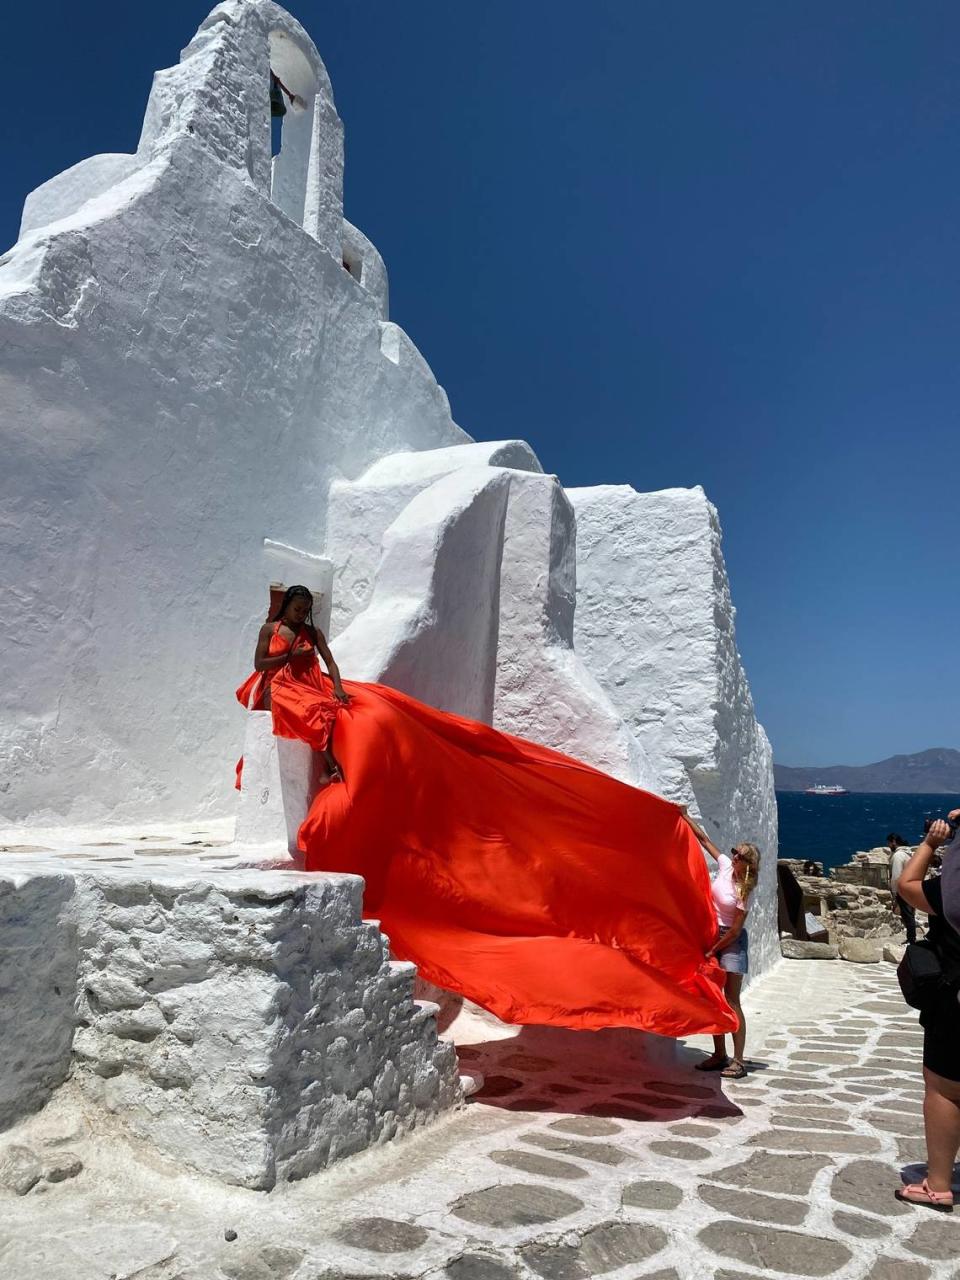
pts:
[831, 829]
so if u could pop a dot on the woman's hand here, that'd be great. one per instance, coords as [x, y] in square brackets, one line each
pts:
[341, 695]
[938, 834]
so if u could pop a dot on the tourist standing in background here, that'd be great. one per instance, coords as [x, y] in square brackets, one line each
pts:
[732, 886]
[901, 853]
[939, 1017]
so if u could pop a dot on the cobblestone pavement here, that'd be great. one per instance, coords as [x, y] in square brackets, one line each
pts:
[578, 1160]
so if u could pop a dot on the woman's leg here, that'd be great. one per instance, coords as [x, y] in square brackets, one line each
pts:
[732, 992]
[941, 1122]
[332, 769]
[718, 1058]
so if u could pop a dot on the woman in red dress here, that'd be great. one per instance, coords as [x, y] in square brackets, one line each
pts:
[287, 679]
[538, 887]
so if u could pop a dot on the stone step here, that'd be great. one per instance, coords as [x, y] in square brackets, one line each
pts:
[239, 1021]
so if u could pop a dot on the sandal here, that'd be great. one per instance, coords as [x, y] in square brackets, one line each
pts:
[715, 1062]
[920, 1194]
[734, 1071]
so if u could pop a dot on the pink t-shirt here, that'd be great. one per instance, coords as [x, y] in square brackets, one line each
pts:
[725, 892]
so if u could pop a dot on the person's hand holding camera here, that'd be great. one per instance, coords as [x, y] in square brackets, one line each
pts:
[940, 832]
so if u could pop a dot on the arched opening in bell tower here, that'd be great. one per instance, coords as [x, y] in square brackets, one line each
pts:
[293, 87]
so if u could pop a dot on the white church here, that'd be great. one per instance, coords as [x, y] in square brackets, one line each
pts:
[204, 398]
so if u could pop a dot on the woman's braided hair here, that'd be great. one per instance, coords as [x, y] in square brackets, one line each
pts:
[295, 593]
[745, 881]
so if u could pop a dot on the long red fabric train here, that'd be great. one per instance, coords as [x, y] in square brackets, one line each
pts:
[536, 886]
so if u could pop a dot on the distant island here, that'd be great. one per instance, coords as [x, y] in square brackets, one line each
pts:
[933, 772]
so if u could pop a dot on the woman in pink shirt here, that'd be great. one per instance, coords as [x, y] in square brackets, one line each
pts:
[735, 880]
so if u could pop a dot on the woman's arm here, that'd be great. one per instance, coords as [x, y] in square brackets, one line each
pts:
[290, 95]
[702, 836]
[261, 660]
[910, 885]
[730, 934]
[331, 666]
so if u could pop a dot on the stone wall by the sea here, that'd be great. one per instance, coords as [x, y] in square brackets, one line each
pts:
[853, 901]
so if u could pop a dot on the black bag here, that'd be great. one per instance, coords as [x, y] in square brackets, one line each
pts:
[919, 973]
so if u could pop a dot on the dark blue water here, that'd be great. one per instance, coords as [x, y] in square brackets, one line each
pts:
[831, 829]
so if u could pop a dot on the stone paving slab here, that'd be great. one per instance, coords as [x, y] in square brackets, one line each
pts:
[580, 1158]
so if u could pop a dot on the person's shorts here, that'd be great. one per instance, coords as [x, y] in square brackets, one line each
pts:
[735, 956]
[940, 1020]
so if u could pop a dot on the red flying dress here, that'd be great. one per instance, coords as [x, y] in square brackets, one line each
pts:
[536, 886]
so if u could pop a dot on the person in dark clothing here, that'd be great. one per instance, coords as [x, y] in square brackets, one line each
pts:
[277, 89]
[900, 855]
[940, 1019]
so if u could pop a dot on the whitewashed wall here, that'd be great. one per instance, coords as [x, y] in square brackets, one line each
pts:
[184, 368]
[655, 623]
[203, 391]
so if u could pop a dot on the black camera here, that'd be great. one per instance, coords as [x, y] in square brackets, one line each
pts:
[953, 824]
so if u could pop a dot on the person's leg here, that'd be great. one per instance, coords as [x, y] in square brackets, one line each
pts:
[909, 917]
[732, 992]
[719, 1057]
[941, 1122]
[334, 772]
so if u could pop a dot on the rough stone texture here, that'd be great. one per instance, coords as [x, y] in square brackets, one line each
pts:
[865, 1184]
[586, 1126]
[897, 1269]
[105, 1219]
[764, 1171]
[854, 900]
[251, 1026]
[652, 1195]
[773, 1250]
[855, 1224]
[784, 1140]
[753, 1206]
[38, 966]
[538, 1166]
[937, 1238]
[603, 1248]
[60, 1165]
[382, 1235]
[598, 1152]
[799, 949]
[680, 1150]
[654, 622]
[515, 1205]
[860, 950]
[479, 1266]
[20, 1168]
[273, 1262]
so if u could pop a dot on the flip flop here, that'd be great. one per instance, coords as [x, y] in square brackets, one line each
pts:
[735, 1071]
[940, 1201]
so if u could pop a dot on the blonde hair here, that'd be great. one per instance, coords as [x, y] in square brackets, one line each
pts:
[745, 881]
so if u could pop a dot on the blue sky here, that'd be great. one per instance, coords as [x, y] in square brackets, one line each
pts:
[668, 245]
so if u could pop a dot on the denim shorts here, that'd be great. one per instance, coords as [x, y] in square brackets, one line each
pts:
[735, 956]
